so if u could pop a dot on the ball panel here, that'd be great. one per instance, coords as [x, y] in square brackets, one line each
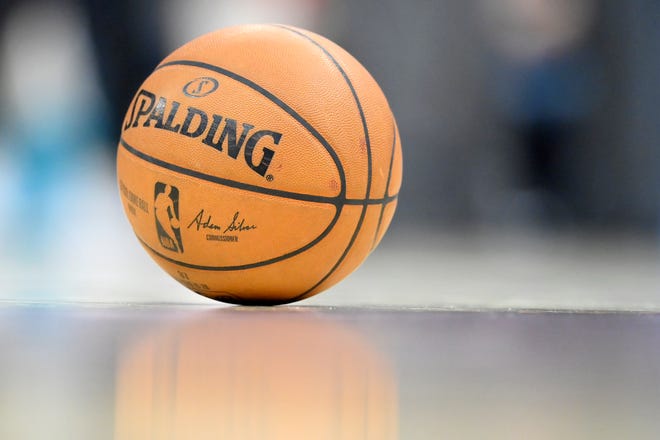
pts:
[300, 73]
[219, 226]
[221, 134]
[384, 222]
[397, 167]
[274, 283]
[375, 109]
[360, 246]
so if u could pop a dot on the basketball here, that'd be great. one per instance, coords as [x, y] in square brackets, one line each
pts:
[259, 164]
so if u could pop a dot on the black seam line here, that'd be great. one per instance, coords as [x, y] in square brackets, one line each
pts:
[277, 101]
[389, 174]
[336, 201]
[384, 201]
[387, 185]
[369, 166]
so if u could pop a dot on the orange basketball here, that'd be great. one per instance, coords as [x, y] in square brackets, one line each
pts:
[259, 164]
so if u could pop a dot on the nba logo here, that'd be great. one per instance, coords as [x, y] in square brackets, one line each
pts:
[166, 212]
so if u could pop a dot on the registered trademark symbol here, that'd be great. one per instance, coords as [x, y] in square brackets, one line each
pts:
[269, 177]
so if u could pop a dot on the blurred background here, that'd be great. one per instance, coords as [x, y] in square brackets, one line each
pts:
[530, 137]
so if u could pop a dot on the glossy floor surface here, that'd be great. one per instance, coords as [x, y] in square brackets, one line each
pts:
[75, 371]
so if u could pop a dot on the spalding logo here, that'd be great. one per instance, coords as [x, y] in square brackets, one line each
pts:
[213, 130]
[200, 87]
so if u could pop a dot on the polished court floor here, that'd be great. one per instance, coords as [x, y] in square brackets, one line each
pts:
[150, 371]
